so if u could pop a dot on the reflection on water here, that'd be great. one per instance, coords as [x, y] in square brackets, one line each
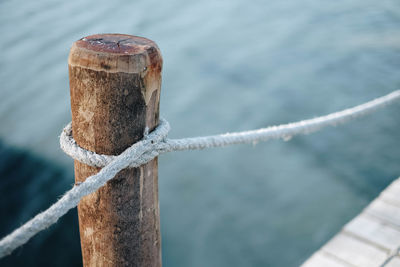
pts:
[228, 65]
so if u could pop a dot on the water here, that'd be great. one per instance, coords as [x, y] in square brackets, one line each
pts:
[228, 66]
[29, 185]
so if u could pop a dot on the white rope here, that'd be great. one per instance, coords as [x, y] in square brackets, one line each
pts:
[284, 131]
[155, 144]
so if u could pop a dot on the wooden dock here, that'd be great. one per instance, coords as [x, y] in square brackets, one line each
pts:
[371, 239]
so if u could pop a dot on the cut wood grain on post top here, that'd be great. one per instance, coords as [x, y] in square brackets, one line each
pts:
[115, 82]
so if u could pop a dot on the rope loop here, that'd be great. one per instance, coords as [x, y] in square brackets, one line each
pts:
[150, 141]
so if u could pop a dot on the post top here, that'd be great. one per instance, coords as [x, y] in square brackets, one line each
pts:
[115, 53]
[115, 43]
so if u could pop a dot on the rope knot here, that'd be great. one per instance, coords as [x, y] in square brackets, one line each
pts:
[138, 154]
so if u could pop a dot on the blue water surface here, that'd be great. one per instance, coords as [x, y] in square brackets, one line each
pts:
[228, 66]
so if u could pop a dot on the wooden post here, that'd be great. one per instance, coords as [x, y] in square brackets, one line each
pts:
[115, 82]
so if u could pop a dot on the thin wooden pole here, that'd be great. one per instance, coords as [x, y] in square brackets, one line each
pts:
[115, 85]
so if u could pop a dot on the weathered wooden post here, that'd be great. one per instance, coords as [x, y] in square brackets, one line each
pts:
[115, 84]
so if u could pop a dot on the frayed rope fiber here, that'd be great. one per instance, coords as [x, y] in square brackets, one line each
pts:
[156, 143]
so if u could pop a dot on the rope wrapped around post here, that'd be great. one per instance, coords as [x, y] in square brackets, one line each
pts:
[155, 144]
[151, 146]
[164, 145]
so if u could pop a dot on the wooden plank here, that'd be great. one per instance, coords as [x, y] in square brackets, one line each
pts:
[320, 259]
[395, 262]
[375, 231]
[392, 193]
[395, 183]
[390, 198]
[355, 251]
[385, 211]
[369, 238]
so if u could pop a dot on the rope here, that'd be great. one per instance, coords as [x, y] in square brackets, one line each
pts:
[155, 144]
[284, 131]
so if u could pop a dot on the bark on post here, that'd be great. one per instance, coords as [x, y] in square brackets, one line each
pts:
[115, 84]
